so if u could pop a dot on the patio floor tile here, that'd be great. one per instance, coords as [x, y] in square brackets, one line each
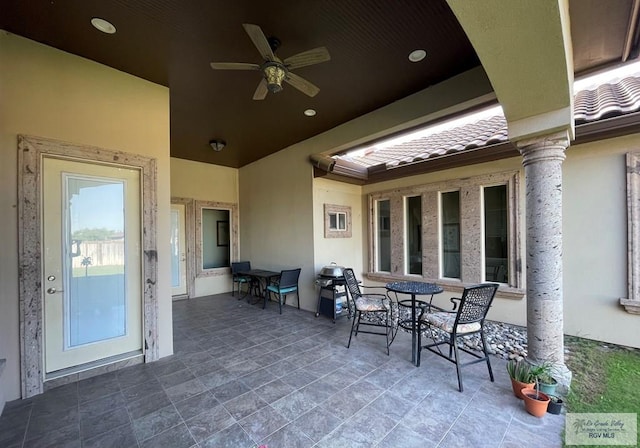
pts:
[242, 376]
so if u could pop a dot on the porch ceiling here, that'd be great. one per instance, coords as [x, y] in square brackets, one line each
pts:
[172, 43]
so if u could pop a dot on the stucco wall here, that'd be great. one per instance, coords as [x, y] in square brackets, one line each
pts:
[205, 182]
[595, 241]
[49, 93]
[351, 250]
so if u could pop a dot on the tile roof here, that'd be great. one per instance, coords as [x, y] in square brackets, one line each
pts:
[605, 101]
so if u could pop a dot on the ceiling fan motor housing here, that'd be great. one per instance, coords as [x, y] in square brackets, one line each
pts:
[274, 73]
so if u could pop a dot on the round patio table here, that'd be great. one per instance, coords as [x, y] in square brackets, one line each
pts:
[414, 289]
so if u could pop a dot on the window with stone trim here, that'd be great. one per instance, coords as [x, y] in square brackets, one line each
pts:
[216, 237]
[458, 232]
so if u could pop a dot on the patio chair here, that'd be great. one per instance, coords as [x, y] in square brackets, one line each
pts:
[468, 320]
[286, 284]
[376, 308]
[239, 280]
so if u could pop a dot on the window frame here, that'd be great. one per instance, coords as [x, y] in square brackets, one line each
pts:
[471, 232]
[233, 237]
[631, 303]
[373, 235]
[484, 234]
[330, 209]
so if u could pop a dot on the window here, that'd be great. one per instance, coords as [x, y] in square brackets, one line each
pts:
[496, 241]
[217, 237]
[632, 302]
[450, 239]
[337, 221]
[456, 232]
[383, 236]
[413, 220]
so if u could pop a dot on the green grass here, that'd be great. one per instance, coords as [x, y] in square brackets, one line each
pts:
[98, 270]
[606, 378]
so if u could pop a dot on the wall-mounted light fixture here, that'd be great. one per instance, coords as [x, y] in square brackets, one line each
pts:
[217, 145]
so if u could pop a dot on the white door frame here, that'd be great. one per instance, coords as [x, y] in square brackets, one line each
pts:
[31, 150]
[189, 237]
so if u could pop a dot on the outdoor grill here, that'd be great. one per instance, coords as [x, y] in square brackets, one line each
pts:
[332, 292]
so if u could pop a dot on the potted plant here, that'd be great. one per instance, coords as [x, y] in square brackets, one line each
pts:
[520, 374]
[535, 402]
[555, 405]
[545, 382]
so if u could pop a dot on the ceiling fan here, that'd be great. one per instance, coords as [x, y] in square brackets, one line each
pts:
[274, 70]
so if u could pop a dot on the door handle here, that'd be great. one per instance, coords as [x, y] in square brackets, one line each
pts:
[53, 290]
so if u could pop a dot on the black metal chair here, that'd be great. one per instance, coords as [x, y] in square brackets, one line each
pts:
[239, 280]
[287, 283]
[469, 319]
[376, 308]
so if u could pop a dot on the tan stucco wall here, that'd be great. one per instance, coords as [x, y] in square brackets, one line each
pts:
[205, 182]
[350, 249]
[595, 241]
[48, 93]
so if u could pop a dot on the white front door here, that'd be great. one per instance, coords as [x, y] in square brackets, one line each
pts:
[178, 251]
[91, 251]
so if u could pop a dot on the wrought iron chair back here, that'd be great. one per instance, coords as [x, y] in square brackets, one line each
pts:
[352, 284]
[475, 303]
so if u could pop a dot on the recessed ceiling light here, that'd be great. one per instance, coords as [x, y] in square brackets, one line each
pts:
[417, 55]
[103, 25]
[310, 112]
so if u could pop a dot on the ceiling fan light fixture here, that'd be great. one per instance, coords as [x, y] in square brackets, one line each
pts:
[274, 74]
[417, 55]
[103, 25]
[217, 145]
[310, 112]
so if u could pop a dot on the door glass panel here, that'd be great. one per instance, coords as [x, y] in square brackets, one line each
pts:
[451, 234]
[95, 292]
[175, 249]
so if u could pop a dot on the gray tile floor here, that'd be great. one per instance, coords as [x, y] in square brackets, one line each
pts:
[242, 376]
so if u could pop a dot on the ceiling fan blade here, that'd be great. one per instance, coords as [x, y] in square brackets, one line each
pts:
[234, 66]
[309, 57]
[302, 84]
[259, 40]
[261, 91]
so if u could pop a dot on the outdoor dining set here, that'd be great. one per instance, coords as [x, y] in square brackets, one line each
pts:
[384, 310]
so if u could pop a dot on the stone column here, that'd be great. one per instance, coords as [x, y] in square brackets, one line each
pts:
[542, 161]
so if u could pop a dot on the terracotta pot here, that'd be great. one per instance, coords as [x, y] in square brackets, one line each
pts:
[535, 407]
[517, 387]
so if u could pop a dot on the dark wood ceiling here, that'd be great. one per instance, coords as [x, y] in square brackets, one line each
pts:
[172, 42]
